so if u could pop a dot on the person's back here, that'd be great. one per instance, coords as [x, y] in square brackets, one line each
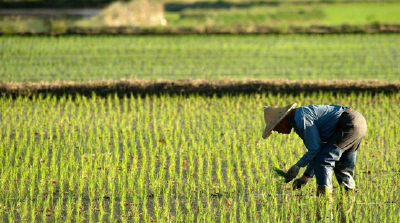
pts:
[325, 117]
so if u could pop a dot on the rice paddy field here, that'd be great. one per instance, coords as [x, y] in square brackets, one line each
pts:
[293, 57]
[181, 159]
[192, 158]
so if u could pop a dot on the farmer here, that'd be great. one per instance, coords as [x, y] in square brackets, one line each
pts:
[332, 135]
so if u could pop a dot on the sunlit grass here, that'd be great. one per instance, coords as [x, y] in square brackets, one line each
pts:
[285, 15]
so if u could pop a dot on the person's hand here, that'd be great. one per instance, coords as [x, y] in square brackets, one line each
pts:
[292, 173]
[299, 182]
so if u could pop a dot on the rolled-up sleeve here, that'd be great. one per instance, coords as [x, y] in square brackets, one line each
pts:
[311, 138]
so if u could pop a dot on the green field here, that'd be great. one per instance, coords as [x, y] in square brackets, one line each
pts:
[294, 57]
[282, 16]
[221, 16]
[180, 159]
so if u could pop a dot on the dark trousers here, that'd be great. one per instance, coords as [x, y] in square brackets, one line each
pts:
[338, 155]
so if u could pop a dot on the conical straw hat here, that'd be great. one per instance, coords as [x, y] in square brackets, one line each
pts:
[273, 115]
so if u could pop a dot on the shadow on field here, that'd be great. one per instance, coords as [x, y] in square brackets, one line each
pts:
[195, 87]
[177, 6]
[174, 7]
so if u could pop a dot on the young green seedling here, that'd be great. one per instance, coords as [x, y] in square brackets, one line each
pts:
[279, 172]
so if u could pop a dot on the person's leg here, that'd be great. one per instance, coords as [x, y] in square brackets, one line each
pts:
[352, 128]
[323, 169]
[324, 165]
[344, 170]
[347, 137]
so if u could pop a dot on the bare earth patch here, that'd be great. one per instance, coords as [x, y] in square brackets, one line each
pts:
[141, 13]
[201, 87]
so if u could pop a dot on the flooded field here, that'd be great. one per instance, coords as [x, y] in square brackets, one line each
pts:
[172, 158]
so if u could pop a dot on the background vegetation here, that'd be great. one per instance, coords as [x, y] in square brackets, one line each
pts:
[209, 16]
[54, 3]
[66, 3]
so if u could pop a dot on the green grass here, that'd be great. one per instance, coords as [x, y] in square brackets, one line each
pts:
[362, 14]
[180, 159]
[285, 15]
[280, 16]
[296, 57]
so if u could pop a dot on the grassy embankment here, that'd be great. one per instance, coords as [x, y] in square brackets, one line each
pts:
[283, 16]
[233, 17]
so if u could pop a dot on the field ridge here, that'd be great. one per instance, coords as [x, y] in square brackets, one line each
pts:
[201, 87]
[313, 29]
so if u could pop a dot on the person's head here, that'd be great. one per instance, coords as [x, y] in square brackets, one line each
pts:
[277, 119]
[284, 126]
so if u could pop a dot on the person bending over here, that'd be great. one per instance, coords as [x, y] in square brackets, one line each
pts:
[332, 135]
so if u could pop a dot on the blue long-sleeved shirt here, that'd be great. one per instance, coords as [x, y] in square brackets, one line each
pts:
[315, 124]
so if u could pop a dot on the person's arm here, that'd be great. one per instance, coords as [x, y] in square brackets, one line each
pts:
[311, 139]
[308, 131]
[309, 173]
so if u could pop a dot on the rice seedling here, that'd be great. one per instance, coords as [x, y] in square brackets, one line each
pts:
[294, 57]
[279, 172]
[175, 158]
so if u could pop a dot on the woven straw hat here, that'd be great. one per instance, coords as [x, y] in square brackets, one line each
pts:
[273, 115]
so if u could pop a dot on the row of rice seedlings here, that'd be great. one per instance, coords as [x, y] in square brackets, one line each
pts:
[176, 158]
[296, 57]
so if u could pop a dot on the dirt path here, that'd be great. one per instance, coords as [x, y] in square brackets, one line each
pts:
[201, 87]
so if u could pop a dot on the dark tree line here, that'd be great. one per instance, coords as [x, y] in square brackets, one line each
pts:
[53, 3]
